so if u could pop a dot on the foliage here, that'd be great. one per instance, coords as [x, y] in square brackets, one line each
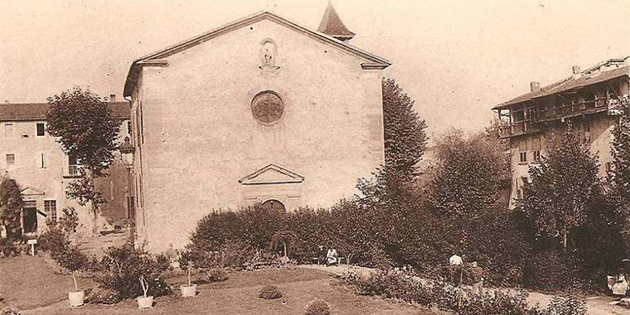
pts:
[121, 268]
[11, 208]
[284, 242]
[469, 174]
[566, 306]
[562, 186]
[270, 292]
[401, 285]
[550, 270]
[619, 175]
[83, 124]
[54, 240]
[69, 221]
[404, 132]
[318, 307]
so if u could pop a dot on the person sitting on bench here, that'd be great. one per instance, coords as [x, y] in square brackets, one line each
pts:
[332, 258]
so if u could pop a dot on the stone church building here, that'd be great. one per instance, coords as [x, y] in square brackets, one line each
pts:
[260, 110]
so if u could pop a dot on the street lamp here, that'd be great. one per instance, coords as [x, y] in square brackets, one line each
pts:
[126, 154]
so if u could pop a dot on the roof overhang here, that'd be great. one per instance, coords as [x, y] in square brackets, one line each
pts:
[371, 61]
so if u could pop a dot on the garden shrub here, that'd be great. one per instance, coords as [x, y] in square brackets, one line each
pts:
[216, 275]
[54, 240]
[121, 268]
[318, 307]
[550, 270]
[566, 306]
[401, 285]
[270, 292]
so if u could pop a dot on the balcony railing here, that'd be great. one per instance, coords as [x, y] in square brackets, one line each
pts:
[538, 115]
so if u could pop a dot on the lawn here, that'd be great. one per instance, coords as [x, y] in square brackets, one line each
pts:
[28, 283]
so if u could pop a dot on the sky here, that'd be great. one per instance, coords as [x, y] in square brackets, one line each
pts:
[456, 59]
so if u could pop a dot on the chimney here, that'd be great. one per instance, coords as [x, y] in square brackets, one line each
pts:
[112, 98]
[576, 69]
[534, 86]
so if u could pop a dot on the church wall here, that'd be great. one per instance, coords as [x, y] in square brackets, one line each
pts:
[200, 136]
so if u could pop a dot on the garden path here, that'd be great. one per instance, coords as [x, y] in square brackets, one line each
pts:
[597, 305]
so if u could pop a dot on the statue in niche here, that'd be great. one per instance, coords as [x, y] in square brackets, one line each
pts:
[268, 52]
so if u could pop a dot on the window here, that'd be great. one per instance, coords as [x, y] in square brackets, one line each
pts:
[41, 131]
[537, 155]
[10, 159]
[129, 127]
[523, 156]
[50, 206]
[73, 166]
[8, 130]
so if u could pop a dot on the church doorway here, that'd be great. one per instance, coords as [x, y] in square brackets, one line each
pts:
[274, 205]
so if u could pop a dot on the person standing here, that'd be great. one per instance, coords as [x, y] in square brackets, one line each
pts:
[455, 267]
[332, 258]
[477, 279]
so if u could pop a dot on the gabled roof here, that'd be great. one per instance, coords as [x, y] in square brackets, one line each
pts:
[37, 111]
[588, 77]
[332, 25]
[271, 174]
[371, 61]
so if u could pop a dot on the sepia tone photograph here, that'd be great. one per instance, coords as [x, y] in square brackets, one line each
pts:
[315, 157]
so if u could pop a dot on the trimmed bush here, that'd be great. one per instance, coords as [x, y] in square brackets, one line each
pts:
[318, 307]
[270, 292]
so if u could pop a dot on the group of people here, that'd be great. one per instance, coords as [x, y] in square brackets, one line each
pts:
[457, 267]
[332, 257]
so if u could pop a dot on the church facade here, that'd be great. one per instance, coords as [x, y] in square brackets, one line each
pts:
[261, 110]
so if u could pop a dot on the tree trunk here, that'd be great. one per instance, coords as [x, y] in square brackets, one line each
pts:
[285, 249]
[76, 286]
[564, 239]
[93, 205]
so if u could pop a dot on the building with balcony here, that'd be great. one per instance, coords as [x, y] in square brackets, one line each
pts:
[588, 100]
[38, 164]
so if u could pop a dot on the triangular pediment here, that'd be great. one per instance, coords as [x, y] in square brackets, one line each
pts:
[271, 174]
[371, 61]
[30, 191]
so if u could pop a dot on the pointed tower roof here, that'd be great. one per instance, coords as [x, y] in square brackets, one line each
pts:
[332, 25]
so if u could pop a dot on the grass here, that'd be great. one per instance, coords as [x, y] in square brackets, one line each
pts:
[28, 283]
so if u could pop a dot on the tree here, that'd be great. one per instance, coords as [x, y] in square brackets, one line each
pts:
[10, 207]
[619, 175]
[404, 132]
[469, 174]
[84, 126]
[562, 187]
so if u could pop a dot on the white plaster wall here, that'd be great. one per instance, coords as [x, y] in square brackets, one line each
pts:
[200, 137]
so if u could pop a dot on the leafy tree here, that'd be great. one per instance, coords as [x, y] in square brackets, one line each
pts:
[10, 207]
[619, 175]
[562, 187]
[84, 126]
[469, 174]
[404, 132]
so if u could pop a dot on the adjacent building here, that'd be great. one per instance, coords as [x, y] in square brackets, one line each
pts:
[31, 156]
[588, 100]
[262, 110]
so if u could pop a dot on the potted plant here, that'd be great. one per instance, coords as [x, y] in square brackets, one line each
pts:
[144, 301]
[190, 289]
[73, 260]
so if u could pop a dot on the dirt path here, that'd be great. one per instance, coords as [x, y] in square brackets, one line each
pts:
[597, 305]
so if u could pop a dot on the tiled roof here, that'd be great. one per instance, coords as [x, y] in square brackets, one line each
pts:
[332, 25]
[37, 111]
[569, 84]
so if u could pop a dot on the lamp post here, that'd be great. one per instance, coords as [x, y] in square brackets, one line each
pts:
[126, 153]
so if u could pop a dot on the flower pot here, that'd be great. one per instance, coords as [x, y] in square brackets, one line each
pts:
[76, 298]
[188, 291]
[145, 302]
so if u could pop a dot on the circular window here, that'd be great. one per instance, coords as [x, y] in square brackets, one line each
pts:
[267, 107]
